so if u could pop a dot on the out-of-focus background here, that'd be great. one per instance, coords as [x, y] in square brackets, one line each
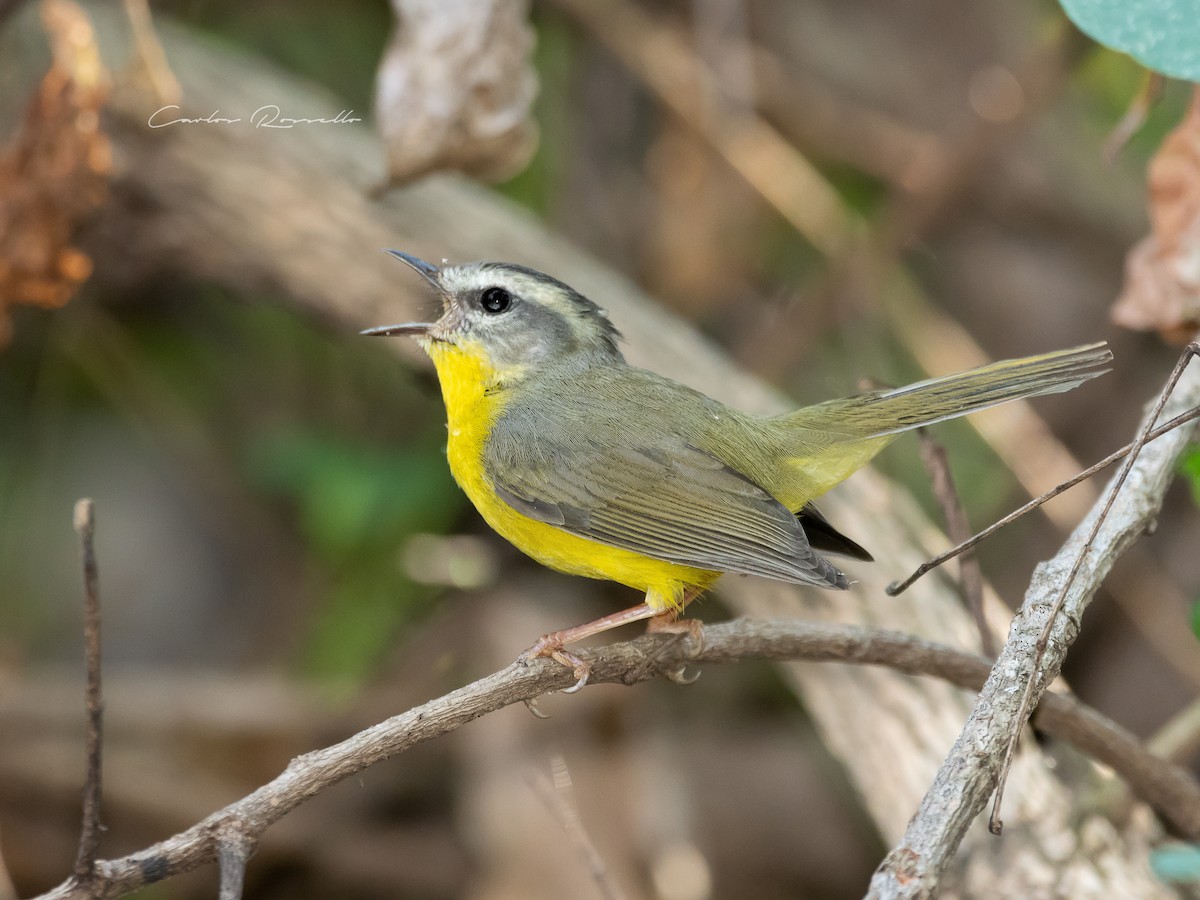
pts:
[285, 559]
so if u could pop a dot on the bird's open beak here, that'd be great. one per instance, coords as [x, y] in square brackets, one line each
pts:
[429, 272]
[417, 328]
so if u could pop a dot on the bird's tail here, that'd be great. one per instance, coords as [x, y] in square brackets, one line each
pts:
[824, 444]
[891, 411]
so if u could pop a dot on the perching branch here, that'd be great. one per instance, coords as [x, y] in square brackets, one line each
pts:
[234, 846]
[1169, 788]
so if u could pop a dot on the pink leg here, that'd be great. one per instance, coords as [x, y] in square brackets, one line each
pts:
[553, 645]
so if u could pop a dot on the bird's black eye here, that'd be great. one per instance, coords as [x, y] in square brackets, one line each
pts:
[495, 300]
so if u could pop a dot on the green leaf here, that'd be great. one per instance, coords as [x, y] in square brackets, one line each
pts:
[1163, 35]
[1178, 863]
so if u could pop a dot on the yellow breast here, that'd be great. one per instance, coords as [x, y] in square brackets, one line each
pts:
[470, 388]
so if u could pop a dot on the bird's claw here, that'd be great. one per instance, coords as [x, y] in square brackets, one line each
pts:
[549, 647]
[677, 676]
[692, 628]
[531, 705]
[581, 676]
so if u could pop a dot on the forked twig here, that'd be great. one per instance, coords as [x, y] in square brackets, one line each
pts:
[995, 825]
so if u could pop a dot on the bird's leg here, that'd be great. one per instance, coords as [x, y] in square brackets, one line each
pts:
[553, 645]
[670, 622]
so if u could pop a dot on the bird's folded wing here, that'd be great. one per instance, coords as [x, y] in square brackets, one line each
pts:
[672, 502]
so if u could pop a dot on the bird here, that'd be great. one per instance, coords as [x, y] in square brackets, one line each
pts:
[598, 468]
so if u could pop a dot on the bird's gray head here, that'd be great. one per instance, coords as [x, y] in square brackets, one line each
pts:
[516, 315]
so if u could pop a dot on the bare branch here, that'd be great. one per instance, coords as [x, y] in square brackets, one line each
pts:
[969, 774]
[89, 836]
[1170, 789]
[234, 847]
[1027, 700]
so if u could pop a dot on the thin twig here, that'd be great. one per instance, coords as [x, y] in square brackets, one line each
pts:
[1135, 116]
[234, 847]
[995, 825]
[1170, 789]
[937, 465]
[89, 836]
[899, 587]
[558, 794]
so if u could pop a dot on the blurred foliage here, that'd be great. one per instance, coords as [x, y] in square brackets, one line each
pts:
[1189, 467]
[337, 45]
[1106, 83]
[343, 450]
[355, 504]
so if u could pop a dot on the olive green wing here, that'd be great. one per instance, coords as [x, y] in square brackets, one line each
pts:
[670, 501]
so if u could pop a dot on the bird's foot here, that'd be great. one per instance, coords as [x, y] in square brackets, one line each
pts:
[669, 623]
[553, 645]
[550, 646]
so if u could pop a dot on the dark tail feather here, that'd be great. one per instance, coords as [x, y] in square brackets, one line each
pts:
[823, 536]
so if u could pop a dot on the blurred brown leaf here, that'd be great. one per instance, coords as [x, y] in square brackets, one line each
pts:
[1162, 273]
[455, 89]
[55, 171]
